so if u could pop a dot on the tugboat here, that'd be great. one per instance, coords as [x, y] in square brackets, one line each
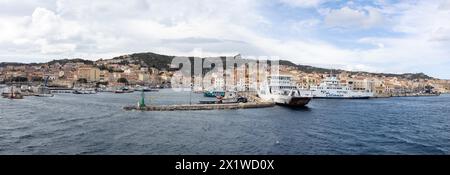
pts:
[280, 90]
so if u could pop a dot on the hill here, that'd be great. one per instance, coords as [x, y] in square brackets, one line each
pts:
[162, 62]
[148, 59]
[311, 69]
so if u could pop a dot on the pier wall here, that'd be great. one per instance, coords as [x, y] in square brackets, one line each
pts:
[185, 107]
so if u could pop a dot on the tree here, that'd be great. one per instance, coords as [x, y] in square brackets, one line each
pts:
[122, 80]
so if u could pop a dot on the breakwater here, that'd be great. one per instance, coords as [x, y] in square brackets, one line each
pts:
[185, 107]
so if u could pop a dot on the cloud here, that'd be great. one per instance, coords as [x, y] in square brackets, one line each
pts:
[303, 3]
[44, 31]
[400, 37]
[307, 24]
[85, 27]
[421, 45]
[347, 17]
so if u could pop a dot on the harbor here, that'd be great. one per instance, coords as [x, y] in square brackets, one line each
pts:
[97, 124]
[279, 90]
[240, 77]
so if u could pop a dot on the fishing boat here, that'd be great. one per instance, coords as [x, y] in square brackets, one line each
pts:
[280, 90]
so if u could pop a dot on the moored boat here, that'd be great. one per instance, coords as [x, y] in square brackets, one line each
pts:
[229, 97]
[43, 90]
[84, 91]
[12, 94]
[147, 89]
[280, 89]
[44, 95]
[331, 88]
[123, 90]
[214, 93]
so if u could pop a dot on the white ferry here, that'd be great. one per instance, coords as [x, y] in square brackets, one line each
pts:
[281, 90]
[330, 87]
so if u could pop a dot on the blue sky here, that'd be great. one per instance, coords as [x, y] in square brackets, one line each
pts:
[378, 36]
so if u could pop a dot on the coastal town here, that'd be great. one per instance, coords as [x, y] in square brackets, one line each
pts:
[154, 72]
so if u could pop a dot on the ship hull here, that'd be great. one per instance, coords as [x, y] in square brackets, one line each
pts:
[341, 97]
[342, 94]
[294, 101]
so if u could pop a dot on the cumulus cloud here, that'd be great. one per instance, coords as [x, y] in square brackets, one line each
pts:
[303, 3]
[347, 17]
[45, 30]
[74, 28]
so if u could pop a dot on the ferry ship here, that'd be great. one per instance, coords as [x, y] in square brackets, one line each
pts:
[330, 87]
[281, 90]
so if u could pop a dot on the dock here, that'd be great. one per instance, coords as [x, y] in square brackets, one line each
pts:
[407, 95]
[186, 107]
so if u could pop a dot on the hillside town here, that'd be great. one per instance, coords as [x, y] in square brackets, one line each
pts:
[126, 71]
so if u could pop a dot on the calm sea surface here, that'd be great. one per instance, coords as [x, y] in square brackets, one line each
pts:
[96, 124]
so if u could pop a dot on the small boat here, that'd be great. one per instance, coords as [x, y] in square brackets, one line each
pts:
[229, 97]
[147, 89]
[214, 93]
[84, 91]
[12, 94]
[43, 90]
[44, 95]
[123, 90]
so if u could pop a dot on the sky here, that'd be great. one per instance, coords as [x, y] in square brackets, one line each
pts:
[392, 36]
